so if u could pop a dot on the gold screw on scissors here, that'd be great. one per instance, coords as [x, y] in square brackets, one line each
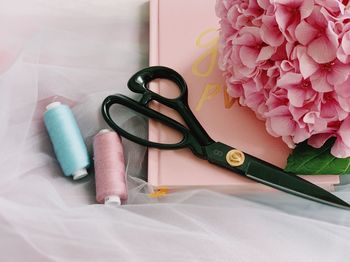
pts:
[235, 157]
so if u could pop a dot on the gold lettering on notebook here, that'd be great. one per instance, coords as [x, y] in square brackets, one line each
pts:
[204, 66]
[211, 53]
[210, 91]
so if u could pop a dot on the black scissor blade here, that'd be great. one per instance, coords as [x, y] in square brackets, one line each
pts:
[292, 184]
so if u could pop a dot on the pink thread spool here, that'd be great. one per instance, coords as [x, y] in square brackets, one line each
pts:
[109, 168]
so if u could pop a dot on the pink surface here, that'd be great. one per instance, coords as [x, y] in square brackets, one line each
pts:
[94, 47]
[184, 36]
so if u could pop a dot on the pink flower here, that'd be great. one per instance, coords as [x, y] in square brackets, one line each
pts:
[341, 131]
[252, 50]
[322, 76]
[317, 34]
[294, 123]
[239, 13]
[254, 97]
[289, 61]
[280, 122]
[329, 108]
[329, 75]
[289, 13]
[299, 90]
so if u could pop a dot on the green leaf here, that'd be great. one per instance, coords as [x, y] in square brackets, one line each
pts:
[314, 161]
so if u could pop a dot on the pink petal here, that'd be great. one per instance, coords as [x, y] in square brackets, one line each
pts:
[320, 125]
[278, 111]
[270, 32]
[298, 113]
[280, 53]
[300, 135]
[306, 8]
[289, 33]
[339, 27]
[288, 141]
[248, 56]
[310, 118]
[343, 89]
[305, 33]
[286, 65]
[332, 111]
[245, 40]
[262, 108]
[317, 18]
[329, 111]
[321, 50]
[344, 132]
[234, 58]
[235, 90]
[253, 31]
[282, 17]
[273, 71]
[289, 48]
[249, 88]
[340, 149]
[341, 113]
[344, 103]
[289, 79]
[319, 83]
[345, 43]
[332, 6]
[232, 16]
[318, 140]
[307, 65]
[332, 36]
[264, 4]
[344, 58]
[245, 72]
[265, 53]
[296, 96]
[338, 74]
[255, 100]
[242, 21]
[289, 3]
[269, 128]
[282, 125]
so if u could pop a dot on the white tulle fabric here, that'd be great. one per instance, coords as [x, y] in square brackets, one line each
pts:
[79, 52]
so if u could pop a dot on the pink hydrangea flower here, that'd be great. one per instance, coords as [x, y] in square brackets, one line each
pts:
[289, 61]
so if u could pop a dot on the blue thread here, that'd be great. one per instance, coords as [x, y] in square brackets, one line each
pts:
[68, 143]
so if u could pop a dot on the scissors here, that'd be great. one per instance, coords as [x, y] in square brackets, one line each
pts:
[200, 143]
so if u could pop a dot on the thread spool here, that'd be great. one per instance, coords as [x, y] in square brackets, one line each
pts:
[67, 141]
[110, 179]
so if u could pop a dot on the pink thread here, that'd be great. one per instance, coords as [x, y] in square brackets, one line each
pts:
[109, 167]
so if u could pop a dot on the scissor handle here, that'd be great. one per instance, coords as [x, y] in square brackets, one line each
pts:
[187, 140]
[139, 83]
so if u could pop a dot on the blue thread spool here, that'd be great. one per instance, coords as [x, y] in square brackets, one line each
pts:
[68, 143]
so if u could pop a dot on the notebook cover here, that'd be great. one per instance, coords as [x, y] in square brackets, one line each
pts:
[184, 36]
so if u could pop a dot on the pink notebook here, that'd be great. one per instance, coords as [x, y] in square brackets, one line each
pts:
[184, 36]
